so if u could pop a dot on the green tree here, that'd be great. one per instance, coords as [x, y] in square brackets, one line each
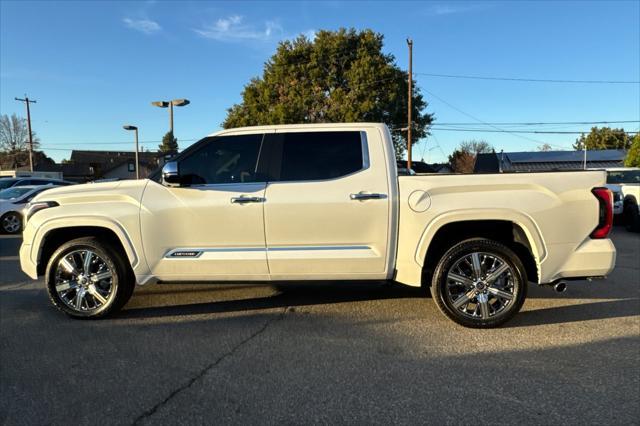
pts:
[340, 76]
[169, 145]
[463, 159]
[603, 138]
[633, 156]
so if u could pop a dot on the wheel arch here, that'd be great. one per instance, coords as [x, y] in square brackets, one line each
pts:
[49, 239]
[518, 233]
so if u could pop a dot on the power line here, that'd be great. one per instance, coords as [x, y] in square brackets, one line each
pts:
[481, 121]
[116, 143]
[461, 76]
[540, 123]
[531, 80]
[544, 132]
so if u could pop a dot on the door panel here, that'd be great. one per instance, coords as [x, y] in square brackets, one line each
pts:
[319, 229]
[199, 234]
[212, 228]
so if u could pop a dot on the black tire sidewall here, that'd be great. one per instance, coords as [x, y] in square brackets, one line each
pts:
[439, 282]
[632, 218]
[110, 257]
[4, 231]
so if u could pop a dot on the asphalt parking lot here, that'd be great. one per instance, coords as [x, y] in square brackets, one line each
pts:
[341, 353]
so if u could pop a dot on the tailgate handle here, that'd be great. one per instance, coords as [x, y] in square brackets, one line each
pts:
[364, 196]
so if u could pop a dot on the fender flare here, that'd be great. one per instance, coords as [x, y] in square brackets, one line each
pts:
[80, 221]
[525, 222]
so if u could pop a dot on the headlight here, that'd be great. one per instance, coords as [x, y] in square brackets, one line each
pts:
[31, 208]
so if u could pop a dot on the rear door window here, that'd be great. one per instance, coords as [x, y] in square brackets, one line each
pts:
[306, 156]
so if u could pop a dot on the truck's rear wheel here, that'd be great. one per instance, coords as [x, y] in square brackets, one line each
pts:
[87, 278]
[479, 283]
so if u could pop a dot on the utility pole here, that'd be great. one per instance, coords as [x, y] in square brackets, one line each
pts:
[27, 101]
[409, 121]
[584, 162]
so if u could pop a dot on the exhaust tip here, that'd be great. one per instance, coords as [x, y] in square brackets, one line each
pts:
[560, 287]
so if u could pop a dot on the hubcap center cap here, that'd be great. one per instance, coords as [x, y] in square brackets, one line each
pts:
[481, 286]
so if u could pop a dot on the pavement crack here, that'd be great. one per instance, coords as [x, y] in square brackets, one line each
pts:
[147, 414]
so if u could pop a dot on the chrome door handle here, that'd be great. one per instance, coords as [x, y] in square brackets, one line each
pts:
[243, 200]
[365, 196]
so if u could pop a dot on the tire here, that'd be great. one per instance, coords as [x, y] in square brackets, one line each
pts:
[11, 223]
[104, 290]
[632, 217]
[487, 302]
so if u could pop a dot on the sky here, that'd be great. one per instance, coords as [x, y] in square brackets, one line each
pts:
[97, 65]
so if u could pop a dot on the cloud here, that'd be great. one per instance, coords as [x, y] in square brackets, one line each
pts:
[233, 28]
[451, 9]
[145, 26]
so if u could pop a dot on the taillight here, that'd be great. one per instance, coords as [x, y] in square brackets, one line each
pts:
[605, 217]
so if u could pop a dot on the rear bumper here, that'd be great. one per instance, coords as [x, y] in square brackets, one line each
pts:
[593, 258]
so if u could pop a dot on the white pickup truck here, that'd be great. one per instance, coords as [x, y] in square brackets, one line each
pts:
[319, 203]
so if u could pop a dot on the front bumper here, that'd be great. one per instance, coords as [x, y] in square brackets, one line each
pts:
[27, 264]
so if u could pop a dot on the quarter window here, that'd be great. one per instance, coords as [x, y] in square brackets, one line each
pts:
[317, 155]
[223, 159]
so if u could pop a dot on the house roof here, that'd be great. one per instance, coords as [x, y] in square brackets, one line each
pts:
[565, 156]
[110, 157]
[548, 160]
[109, 160]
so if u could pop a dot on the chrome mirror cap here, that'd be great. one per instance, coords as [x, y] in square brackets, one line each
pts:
[170, 175]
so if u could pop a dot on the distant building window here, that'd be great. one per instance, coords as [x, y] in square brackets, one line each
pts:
[132, 167]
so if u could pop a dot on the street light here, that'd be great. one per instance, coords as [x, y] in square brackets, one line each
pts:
[129, 127]
[171, 104]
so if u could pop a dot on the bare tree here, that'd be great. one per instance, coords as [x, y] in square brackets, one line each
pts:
[14, 134]
[476, 147]
[463, 159]
[545, 147]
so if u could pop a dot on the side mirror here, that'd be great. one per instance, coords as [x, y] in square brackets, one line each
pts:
[170, 174]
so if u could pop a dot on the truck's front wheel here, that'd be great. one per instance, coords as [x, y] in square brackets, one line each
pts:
[479, 283]
[88, 278]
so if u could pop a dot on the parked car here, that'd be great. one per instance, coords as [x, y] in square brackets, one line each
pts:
[628, 180]
[618, 205]
[319, 203]
[26, 181]
[12, 201]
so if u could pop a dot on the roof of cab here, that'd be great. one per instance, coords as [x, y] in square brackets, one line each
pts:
[303, 127]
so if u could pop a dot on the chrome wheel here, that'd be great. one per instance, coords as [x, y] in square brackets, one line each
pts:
[11, 223]
[84, 282]
[481, 285]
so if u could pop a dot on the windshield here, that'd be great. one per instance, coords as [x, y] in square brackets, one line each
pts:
[13, 193]
[5, 183]
[624, 176]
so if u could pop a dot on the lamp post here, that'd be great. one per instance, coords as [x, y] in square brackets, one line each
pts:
[171, 104]
[129, 127]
